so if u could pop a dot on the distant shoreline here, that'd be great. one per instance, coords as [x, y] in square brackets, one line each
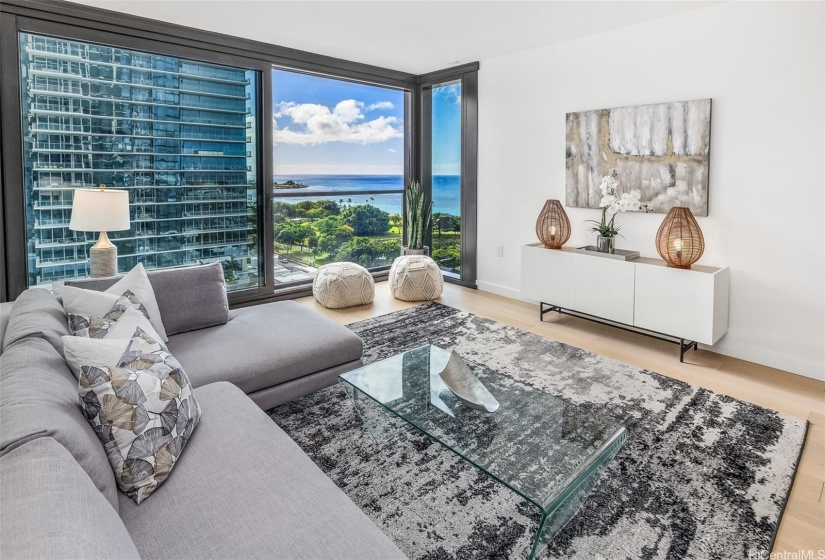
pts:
[289, 185]
[300, 188]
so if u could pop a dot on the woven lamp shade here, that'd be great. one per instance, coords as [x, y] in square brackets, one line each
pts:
[679, 240]
[553, 227]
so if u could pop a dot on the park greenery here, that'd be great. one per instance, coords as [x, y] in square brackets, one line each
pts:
[317, 232]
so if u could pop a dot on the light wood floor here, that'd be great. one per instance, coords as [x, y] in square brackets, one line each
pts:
[803, 524]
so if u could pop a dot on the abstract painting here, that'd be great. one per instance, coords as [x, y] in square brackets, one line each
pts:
[660, 150]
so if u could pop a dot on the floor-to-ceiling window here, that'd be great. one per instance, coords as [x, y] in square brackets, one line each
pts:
[446, 176]
[448, 144]
[178, 134]
[338, 159]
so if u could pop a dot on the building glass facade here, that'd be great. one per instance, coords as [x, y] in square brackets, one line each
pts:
[179, 135]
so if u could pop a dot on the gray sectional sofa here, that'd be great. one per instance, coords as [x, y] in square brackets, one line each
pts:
[241, 489]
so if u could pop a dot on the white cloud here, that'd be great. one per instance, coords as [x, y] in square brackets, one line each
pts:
[381, 105]
[450, 92]
[341, 124]
[392, 151]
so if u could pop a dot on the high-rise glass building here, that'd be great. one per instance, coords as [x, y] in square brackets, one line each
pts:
[179, 135]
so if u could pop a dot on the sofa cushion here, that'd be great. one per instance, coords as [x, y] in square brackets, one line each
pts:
[37, 313]
[38, 398]
[188, 298]
[142, 411]
[244, 489]
[265, 345]
[51, 509]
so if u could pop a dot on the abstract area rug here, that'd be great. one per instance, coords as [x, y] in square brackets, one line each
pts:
[702, 475]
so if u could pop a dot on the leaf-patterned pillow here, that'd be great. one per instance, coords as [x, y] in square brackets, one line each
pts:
[89, 327]
[126, 307]
[128, 299]
[143, 411]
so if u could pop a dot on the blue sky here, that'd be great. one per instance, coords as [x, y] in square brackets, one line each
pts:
[328, 126]
[447, 130]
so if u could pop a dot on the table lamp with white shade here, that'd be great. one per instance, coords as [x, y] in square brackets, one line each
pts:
[101, 210]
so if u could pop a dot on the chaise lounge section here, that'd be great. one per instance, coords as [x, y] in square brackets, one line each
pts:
[275, 352]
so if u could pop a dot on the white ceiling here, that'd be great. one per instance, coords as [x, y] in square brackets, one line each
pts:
[413, 36]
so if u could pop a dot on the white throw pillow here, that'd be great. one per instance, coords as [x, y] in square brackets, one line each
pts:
[87, 302]
[80, 351]
[93, 303]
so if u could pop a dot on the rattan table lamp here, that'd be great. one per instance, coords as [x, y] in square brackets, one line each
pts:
[101, 210]
[553, 226]
[679, 240]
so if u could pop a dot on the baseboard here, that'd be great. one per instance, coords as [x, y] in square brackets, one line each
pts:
[500, 290]
[770, 358]
[747, 352]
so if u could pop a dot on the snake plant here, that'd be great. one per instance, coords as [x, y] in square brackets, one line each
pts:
[418, 215]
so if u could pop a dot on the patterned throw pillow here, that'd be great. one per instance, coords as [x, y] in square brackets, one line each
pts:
[126, 308]
[143, 411]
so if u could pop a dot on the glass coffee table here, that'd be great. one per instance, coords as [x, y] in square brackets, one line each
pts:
[545, 449]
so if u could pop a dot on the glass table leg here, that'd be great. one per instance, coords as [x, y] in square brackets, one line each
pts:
[381, 425]
[554, 520]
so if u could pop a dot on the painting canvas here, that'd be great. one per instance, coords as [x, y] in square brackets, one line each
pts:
[660, 150]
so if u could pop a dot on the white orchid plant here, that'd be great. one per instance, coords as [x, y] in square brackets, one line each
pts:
[611, 204]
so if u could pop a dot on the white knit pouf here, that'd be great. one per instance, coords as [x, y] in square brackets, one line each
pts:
[343, 284]
[415, 278]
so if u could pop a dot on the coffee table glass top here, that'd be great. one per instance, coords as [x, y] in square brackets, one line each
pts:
[540, 446]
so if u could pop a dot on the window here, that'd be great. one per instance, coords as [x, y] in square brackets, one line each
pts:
[179, 135]
[449, 149]
[446, 176]
[338, 159]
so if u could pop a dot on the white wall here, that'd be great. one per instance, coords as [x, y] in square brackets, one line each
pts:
[763, 64]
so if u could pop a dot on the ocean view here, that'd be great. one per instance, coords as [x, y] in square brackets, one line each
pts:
[446, 191]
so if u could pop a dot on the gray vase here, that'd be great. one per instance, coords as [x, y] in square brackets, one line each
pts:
[605, 244]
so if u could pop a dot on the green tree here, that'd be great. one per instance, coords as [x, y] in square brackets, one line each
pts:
[287, 234]
[285, 209]
[448, 257]
[312, 243]
[305, 232]
[330, 241]
[368, 252]
[327, 225]
[361, 250]
[395, 221]
[365, 219]
[230, 268]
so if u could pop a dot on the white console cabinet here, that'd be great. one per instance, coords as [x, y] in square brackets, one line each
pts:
[644, 294]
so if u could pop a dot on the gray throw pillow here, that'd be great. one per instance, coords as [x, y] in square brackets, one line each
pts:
[143, 411]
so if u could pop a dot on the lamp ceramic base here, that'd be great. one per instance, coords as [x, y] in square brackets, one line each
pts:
[103, 261]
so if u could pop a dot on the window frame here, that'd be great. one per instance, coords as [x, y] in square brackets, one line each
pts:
[467, 76]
